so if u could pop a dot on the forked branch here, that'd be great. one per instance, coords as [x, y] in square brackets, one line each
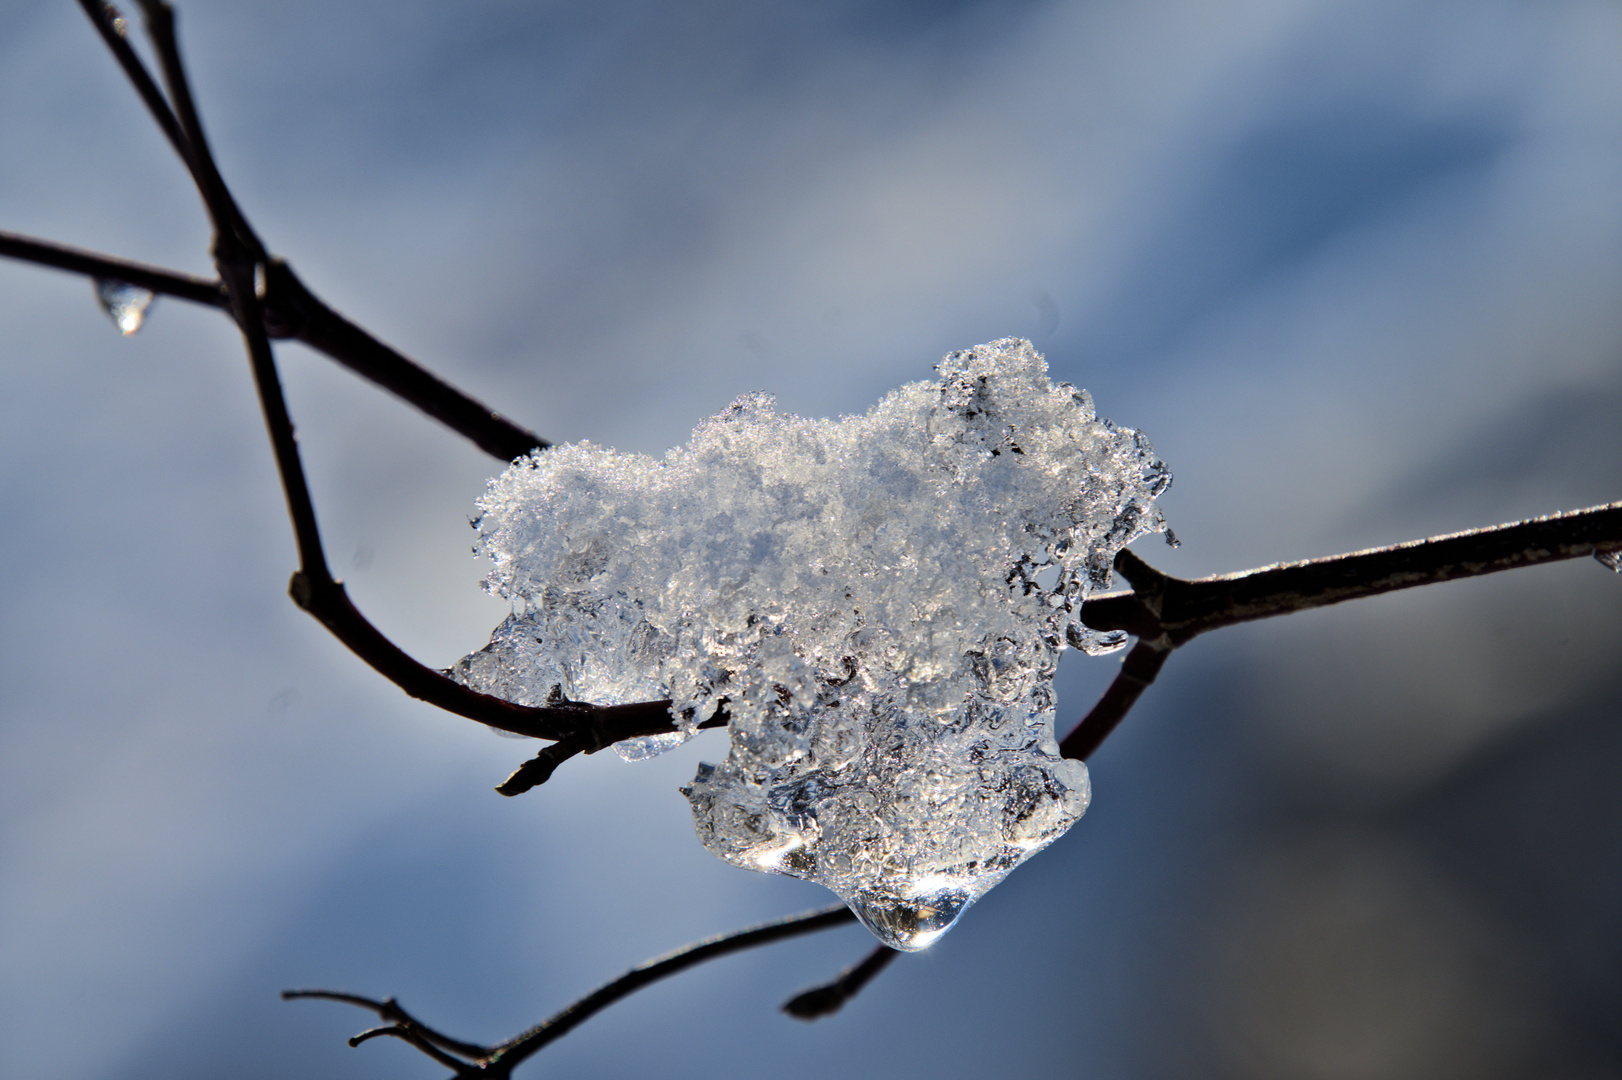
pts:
[470, 1059]
[266, 299]
[1165, 612]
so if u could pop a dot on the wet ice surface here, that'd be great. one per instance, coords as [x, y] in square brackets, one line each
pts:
[880, 600]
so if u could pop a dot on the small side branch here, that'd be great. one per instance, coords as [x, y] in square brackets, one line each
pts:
[1183, 609]
[471, 1059]
[392, 1012]
[825, 1000]
[289, 309]
[1165, 612]
[1138, 670]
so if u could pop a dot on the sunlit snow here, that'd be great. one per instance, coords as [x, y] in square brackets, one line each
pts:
[880, 601]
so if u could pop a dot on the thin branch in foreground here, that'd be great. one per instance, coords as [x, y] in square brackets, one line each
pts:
[231, 227]
[1138, 670]
[392, 1011]
[473, 1059]
[825, 1000]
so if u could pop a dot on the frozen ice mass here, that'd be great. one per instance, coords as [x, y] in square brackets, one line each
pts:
[880, 601]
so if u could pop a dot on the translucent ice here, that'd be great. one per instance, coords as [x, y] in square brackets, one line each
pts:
[880, 601]
[124, 303]
[1612, 559]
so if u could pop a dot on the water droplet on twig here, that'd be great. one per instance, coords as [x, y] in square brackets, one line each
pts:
[1611, 559]
[124, 303]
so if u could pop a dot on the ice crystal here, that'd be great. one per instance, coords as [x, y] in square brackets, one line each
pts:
[880, 601]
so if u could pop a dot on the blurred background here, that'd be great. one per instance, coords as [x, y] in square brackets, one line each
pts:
[1353, 265]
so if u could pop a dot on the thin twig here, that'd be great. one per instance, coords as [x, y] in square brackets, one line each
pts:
[229, 222]
[393, 1012]
[605, 724]
[106, 268]
[825, 1000]
[539, 769]
[238, 255]
[516, 1050]
[1165, 612]
[112, 26]
[1138, 670]
[501, 1060]
[415, 1039]
[1183, 609]
[291, 310]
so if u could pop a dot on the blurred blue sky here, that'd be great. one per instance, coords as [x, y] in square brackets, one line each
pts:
[1354, 268]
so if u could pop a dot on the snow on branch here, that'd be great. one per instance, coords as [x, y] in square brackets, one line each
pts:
[772, 605]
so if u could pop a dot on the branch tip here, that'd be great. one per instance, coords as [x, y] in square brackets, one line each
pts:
[825, 1000]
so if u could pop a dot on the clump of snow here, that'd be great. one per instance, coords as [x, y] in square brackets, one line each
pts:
[879, 600]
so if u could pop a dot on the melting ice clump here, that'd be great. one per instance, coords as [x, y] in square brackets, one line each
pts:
[880, 601]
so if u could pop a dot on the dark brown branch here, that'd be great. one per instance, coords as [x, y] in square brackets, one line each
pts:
[1183, 609]
[231, 227]
[106, 268]
[328, 602]
[820, 1001]
[416, 1040]
[539, 769]
[394, 1013]
[292, 310]
[500, 1060]
[1138, 670]
[1164, 612]
[238, 256]
[112, 26]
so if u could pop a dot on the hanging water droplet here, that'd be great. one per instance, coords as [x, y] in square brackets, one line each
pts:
[1172, 541]
[910, 923]
[1611, 559]
[124, 303]
[1102, 643]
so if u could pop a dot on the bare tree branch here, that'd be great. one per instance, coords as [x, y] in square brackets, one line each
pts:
[291, 310]
[112, 26]
[499, 1061]
[1164, 612]
[1138, 670]
[267, 300]
[825, 1000]
[230, 226]
[392, 1011]
[240, 258]
[106, 268]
